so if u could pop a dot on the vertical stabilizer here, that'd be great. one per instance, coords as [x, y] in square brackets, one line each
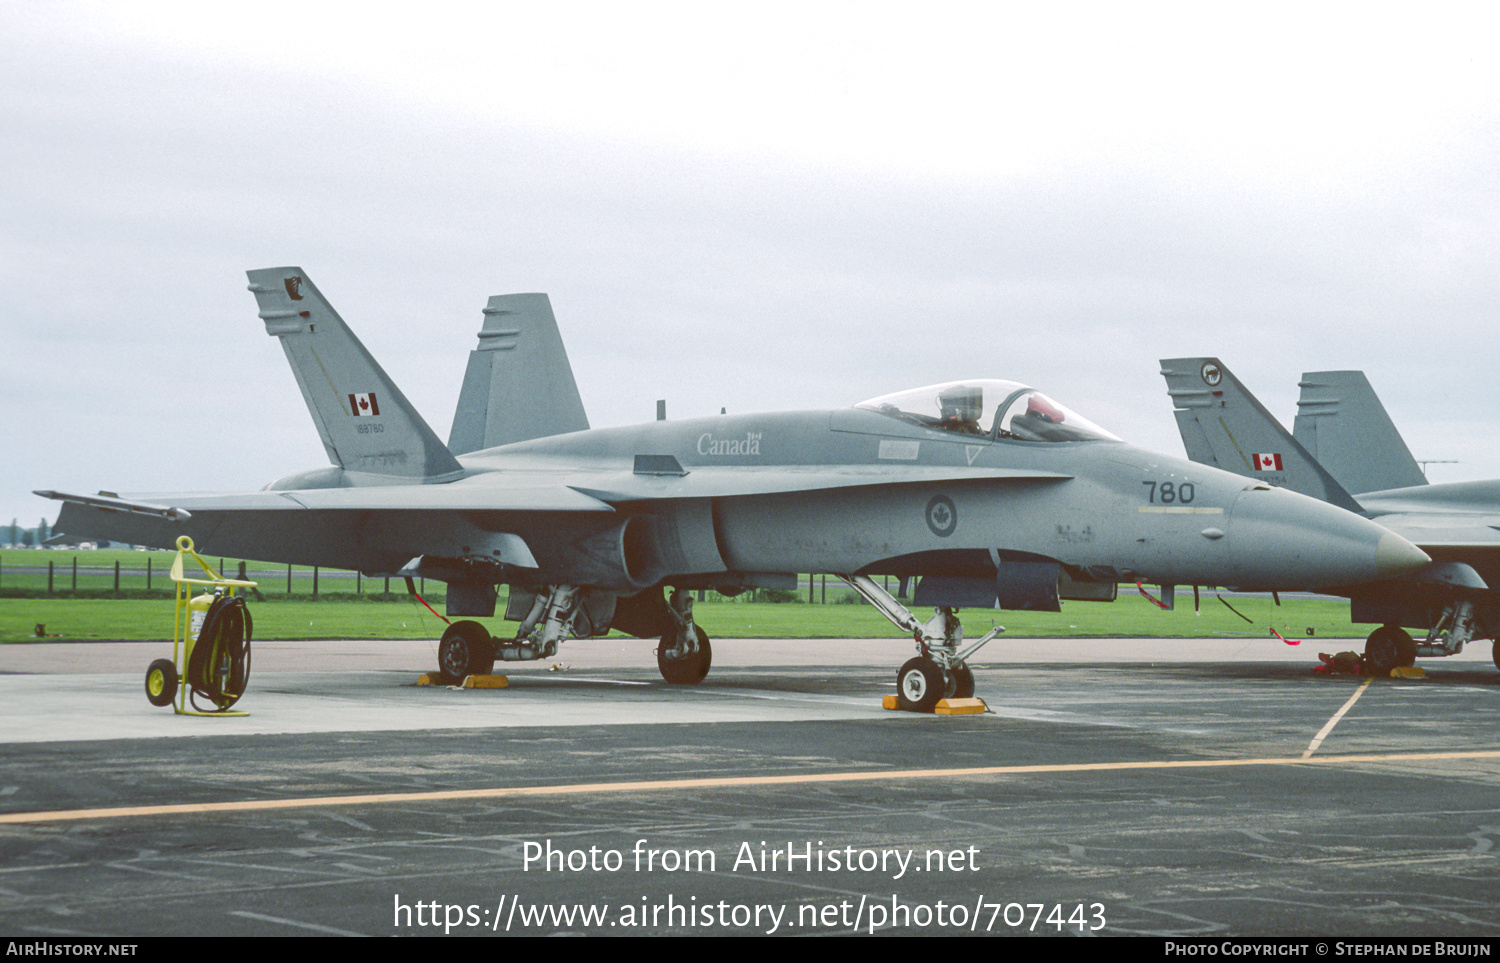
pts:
[1223, 425]
[1342, 424]
[519, 384]
[365, 422]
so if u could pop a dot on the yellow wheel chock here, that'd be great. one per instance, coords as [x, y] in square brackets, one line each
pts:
[944, 707]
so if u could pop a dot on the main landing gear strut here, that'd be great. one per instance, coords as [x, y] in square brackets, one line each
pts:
[467, 648]
[938, 671]
[1390, 647]
[684, 654]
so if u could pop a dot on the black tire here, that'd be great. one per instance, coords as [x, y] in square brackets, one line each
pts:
[466, 649]
[691, 670]
[963, 679]
[1387, 648]
[920, 684]
[1495, 653]
[161, 682]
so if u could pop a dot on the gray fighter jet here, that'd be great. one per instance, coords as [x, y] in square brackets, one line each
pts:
[1451, 600]
[988, 491]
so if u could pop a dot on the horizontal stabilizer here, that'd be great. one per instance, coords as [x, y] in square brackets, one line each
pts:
[366, 423]
[115, 504]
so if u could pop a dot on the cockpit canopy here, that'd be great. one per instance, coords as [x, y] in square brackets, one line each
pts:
[1019, 413]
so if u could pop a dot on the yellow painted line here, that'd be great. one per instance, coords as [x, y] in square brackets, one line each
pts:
[723, 782]
[1312, 747]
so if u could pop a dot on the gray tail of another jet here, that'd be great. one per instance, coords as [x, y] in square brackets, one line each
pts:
[519, 384]
[1344, 426]
[1223, 425]
[366, 423]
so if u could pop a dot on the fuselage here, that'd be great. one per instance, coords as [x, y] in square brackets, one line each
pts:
[733, 500]
[1101, 507]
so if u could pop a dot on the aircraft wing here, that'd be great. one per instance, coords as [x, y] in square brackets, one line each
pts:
[377, 528]
[1471, 499]
[528, 492]
[521, 495]
[1434, 531]
[1461, 515]
[381, 527]
[720, 482]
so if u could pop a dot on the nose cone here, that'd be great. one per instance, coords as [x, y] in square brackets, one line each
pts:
[1282, 539]
[1394, 556]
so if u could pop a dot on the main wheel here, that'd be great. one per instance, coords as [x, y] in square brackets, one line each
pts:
[1495, 653]
[689, 670]
[1389, 647]
[963, 679]
[920, 684]
[466, 649]
[161, 682]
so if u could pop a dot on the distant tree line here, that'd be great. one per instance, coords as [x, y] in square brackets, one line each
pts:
[14, 536]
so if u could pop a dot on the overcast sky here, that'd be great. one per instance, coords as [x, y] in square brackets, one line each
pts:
[754, 206]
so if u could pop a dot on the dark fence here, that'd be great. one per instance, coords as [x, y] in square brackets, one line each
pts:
[126, 574]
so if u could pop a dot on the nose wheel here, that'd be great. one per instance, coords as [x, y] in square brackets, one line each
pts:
[922, 683]
[963, 682]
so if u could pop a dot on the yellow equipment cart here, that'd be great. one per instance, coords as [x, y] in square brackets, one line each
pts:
[210, 643]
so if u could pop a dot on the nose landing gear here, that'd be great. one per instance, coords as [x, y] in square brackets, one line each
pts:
[939, 670]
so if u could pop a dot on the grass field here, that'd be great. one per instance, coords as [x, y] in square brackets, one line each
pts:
[350, 607]
[277, 618]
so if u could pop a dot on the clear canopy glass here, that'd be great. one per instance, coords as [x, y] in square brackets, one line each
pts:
[1018, 413]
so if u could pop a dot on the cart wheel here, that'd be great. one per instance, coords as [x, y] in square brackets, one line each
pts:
[161, 682]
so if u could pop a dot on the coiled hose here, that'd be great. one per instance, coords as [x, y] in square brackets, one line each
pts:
[219, 667]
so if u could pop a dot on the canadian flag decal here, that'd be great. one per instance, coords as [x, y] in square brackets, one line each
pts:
[1262, 462]
[364, 406]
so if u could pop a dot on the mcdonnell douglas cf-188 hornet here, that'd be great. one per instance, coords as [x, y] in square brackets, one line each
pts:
[988, 491]
[1454, 599]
